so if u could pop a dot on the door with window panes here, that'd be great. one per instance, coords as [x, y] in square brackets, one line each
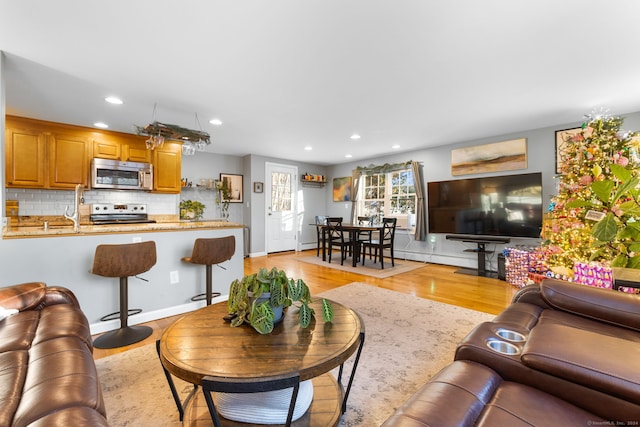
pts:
[280, 189]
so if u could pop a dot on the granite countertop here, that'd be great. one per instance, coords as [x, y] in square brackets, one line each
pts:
[57, 229]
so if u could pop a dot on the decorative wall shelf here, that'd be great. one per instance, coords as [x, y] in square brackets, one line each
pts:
[313, 180]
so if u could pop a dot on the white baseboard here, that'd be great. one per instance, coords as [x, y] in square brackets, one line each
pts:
[148, 316]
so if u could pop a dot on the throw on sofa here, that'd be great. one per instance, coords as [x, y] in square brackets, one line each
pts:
[560, 354]
[47, 373]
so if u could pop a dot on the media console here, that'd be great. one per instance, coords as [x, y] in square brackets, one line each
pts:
[481, 242]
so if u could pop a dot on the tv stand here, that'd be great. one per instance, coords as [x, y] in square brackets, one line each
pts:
[481, 250]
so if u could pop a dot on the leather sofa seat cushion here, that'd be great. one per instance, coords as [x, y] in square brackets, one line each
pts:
[523, 315]
[470, 394]
[563, 318]
[585, 357]
[12, 373]
[63, 320]
[60, 374]
[79, 415]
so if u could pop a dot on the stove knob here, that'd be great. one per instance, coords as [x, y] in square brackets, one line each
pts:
[97, 208]
[104, 208]
[135, 208]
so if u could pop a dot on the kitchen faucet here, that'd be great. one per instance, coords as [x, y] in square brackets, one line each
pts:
[76, 214]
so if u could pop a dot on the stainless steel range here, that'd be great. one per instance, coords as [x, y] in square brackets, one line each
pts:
[119, 213]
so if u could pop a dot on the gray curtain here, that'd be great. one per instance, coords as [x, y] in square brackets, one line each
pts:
[355, 181]
[421, 216]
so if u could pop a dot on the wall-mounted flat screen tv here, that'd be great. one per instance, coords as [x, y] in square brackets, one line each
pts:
[509, 205]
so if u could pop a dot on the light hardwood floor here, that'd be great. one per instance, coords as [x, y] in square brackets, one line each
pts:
[432, 281]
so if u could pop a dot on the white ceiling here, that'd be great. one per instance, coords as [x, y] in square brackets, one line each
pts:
[285, 74]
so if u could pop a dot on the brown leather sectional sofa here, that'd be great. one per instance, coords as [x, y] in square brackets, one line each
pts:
[47, 373]
[560, 354]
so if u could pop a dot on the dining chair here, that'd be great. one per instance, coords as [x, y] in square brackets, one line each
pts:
[367, 235]
[385, 241]
[253, 385]
[337, 237]
[321, 222]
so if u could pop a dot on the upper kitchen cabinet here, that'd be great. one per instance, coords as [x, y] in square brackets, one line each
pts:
[44, 155]
[128, 148]
[167, 162]
[25, 156]
[69, 155]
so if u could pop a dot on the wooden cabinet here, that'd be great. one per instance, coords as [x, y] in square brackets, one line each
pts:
[42, 154]
[127, 148]
[45, 155]
[167, 162]
[69, 156]
[25, 157]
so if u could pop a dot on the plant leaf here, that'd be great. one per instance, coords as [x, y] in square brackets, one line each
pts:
[305, 315]
[327, 310]
[634, 262]
[624, 188]
[579, 204]
[603, 189]
[622, 173]
[619, 261]
[606, 229]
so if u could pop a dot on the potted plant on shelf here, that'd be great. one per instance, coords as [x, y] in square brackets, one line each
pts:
[191, 209]
[259, 299]
[223, 197]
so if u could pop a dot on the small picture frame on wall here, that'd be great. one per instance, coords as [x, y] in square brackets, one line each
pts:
[258, 187]
[234, 184]
[562, 142]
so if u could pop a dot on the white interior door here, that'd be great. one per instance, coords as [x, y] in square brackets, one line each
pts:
[281, 190]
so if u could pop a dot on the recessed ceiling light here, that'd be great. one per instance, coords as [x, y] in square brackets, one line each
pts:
[355, 136]
[308, 148]
[395, 146]
[348, 156]
[215, 122]
[101, 125]
[114, 100]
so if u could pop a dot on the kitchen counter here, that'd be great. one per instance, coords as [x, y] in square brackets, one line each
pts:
[56, 230]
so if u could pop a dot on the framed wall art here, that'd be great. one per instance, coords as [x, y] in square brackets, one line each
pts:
[495, 157]
[258, 187]
[342, 189]
[562, 141]
[234, 183]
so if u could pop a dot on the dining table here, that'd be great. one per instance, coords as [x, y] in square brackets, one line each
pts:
[354, 231]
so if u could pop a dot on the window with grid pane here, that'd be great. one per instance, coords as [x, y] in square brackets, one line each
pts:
[280, 192]
[387, 194]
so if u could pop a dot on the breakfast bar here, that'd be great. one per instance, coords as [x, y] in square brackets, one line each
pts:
[60, 256]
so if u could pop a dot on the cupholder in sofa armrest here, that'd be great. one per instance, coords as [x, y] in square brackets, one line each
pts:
[503, 347]
[510, 335]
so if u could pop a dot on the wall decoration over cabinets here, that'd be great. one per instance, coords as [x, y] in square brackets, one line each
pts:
[342, 189]
[234, 184]
[562, 141]
[495, 157]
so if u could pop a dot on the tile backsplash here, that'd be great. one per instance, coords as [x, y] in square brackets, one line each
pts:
[36, 202]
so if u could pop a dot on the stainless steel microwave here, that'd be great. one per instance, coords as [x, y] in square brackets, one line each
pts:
[121, 175]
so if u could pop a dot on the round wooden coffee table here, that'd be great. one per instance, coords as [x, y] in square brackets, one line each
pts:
[202, 344]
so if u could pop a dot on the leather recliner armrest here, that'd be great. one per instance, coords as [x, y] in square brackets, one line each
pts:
[25, 296]
[604, 305]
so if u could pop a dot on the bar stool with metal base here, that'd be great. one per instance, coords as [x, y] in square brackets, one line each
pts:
[208, 252]
[123, 261]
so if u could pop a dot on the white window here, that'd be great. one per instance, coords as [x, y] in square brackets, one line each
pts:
[391, 194]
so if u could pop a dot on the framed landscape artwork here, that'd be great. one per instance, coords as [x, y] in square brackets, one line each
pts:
[342, 189]
[234, 183]
[562, 140]
[495, 157]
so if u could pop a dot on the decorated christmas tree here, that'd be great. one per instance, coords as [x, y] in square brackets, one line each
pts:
[596, 215]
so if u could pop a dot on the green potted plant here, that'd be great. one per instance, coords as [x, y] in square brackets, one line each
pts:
[258, 299]
[223, 197]
[191, 209]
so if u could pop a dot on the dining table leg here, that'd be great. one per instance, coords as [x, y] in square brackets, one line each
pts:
[355, 248]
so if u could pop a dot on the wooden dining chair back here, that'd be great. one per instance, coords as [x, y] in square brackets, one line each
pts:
[321, 222]
[251, 385]
[366, 235]
[337, 238]
[385, 241]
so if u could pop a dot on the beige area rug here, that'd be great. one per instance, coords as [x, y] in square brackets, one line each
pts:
[408, 339]
[369, 268]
